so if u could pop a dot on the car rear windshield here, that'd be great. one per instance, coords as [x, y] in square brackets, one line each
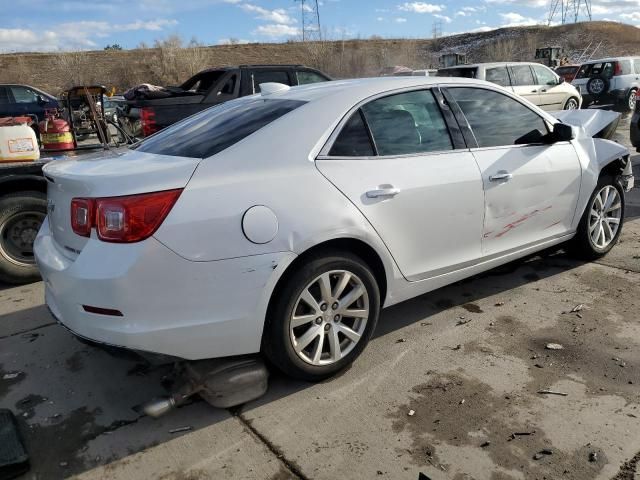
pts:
[217, 128]
[458, 72]
[604, 69]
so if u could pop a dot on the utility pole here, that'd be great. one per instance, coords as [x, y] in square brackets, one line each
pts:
[310, 20]
[569, 10]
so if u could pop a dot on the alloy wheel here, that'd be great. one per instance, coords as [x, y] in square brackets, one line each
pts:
[597, 86]
[329, 317]
[17, 234]
[572, 104]
[632, 99]
[604, 216]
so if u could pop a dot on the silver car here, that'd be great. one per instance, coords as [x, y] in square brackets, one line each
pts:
[533, 81]
[609, 80]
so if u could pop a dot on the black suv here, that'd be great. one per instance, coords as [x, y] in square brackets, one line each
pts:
[21, 100]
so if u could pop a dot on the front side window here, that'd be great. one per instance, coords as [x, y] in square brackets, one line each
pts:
[217, 128]
[269, 76]
[521, 75]
[498, 75]
[545, 76]
[407, 123]
[305, 78]
[24, 95]
[497, 119]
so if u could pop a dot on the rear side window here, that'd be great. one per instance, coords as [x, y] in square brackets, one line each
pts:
[458, 72]
[304, 78]
[4, 96]
[498, 120]
[217, 128]
[407, 123]
[625, 66]
[521, 75]
[353, 140]
[498, 75]
[269, 76]
[636, 64]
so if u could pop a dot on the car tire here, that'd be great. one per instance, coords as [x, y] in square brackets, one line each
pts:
[285, 344]
[584, 245]
[572, 104]
[628, 104]
[598, 86]
[21, 215]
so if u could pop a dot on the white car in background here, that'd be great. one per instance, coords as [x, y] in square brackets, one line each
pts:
[283, 222]
[533, 81]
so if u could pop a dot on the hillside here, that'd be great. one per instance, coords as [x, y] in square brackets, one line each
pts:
[342, 58]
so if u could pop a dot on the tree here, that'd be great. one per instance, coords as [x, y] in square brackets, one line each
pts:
[115, 46]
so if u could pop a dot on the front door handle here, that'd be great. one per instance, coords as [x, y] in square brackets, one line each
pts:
[383, 192]
[500, 176]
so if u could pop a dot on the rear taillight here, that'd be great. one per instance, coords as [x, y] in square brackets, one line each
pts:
[123, 219]
[82, 216]
[617, 69]
[148, 121]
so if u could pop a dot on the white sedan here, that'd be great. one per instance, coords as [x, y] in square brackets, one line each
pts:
[282, 222]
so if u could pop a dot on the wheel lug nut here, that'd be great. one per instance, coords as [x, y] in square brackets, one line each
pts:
[327, 327]
[318, 320]
[323, 307]
[336, 318]
[335, 306]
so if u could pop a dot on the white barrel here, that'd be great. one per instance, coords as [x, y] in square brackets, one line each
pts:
[18, 143]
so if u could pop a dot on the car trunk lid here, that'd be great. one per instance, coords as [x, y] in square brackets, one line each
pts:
[107, 174]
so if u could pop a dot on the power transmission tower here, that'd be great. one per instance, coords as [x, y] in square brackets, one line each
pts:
[436, 30]
[569, 10]
[310, 19]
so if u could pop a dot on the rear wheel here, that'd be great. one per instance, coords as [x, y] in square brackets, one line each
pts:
[322, 317]
[629, 102]
[21, 215]
[601, 223]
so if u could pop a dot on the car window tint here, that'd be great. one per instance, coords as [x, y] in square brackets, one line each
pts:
[24, 95]
[217, 128]
[228, 88]
[497, 119]
[269, 76]
[636, 64]
[544, 75]
[521, 75]
[4, 96]
[353, 140]
[305, 78]
[498, 75]
[407, 123]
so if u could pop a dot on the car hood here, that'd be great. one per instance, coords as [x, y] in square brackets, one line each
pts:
[596, 123]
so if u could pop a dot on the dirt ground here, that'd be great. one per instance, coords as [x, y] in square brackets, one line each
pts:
[449, 387]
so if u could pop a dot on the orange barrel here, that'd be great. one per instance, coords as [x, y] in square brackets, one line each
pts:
[55, 134]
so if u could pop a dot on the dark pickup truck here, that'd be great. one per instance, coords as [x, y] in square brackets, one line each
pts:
[160, 108]
[23, 207]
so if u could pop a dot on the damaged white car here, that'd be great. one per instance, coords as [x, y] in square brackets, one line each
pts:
[282, 222]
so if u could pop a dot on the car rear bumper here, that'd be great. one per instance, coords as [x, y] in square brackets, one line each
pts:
[168, 305]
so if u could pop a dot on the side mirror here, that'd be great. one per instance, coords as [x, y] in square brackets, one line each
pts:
[562, 133]
[561, 80]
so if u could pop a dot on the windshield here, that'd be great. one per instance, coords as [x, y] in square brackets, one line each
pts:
[217, 128]
[458, 72]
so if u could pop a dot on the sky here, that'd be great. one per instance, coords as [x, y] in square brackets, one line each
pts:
[46, 25]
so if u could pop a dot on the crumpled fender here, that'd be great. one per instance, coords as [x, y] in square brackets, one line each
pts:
[596, 123]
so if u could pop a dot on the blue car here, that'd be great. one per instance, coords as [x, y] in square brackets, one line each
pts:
[19, 100]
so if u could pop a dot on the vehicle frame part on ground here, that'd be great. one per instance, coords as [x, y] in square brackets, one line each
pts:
[278, 221]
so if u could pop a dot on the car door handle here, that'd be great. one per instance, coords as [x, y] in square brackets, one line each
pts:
[383, 192]
[500, 176]
[534, 91]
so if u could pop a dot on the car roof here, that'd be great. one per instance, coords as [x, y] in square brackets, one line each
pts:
[609, 59]
[492, 64]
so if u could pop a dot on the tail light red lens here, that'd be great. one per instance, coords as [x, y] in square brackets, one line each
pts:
[148, 121]
[82, 216]
[125, 219]
[617, 69]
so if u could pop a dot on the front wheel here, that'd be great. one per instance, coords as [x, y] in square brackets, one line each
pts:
[323, 317]
[629, 102]
[601, 223]
[572, 104]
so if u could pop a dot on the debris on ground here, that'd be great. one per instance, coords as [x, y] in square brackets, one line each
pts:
[515, 435]
[401, 340]
[411, 413]
[457, 347]
[463, 321]
[11, 375]
[552, 392]
[577, 308]
[554, 346]
[593, 457]
[498, 304]
[462, 401]
[542, 453]
[181, 429]
[485, 444]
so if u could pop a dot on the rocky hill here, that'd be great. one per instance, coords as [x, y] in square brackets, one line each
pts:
[169, 64]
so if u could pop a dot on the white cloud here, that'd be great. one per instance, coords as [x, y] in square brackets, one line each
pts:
[421, 7]
[400, 20]
[634, 16]
[444, 18]
[522, 3]
[380, 19]
[278, 15]
[277, 30]
[233, 41]
[514, 19]
[81, 35]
